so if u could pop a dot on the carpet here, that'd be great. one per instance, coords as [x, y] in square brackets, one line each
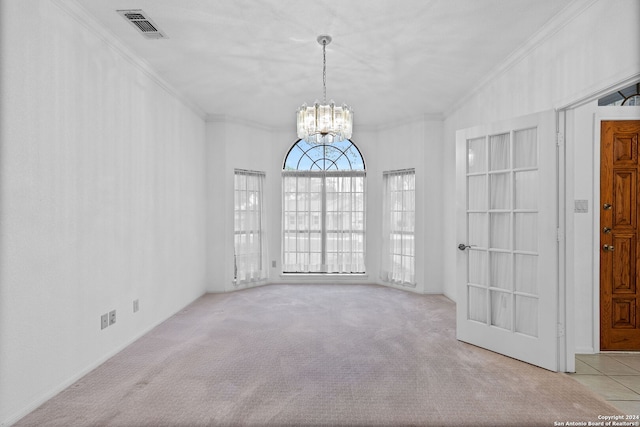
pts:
[316, 355]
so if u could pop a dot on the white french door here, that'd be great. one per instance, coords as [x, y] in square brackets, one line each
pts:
[507, 286]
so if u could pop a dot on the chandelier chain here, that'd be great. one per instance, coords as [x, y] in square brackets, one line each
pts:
[324, 70]
[322, 123]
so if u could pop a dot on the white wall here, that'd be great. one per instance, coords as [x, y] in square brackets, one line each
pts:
[102, 190]
[233, 144]
[415, 145]
[597, 45]
[581, 142]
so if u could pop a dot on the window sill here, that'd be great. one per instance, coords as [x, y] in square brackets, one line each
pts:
[323, 274]
[328, 276]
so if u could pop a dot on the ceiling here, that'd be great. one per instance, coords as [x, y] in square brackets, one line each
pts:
[258, 60]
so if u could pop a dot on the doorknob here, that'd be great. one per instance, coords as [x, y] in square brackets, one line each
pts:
[606, 230]
[608, 248]
[462, 246]
[607, 206]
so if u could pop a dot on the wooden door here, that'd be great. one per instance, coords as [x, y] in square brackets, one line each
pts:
[507, 234]
[619, 293]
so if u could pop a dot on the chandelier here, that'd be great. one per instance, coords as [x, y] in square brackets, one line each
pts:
[324, 123]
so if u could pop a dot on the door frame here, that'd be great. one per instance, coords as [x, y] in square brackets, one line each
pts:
[602, 114]
[566, 283]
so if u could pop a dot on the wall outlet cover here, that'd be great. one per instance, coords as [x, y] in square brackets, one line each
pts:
[104, 321]
[581, 206]
[112, 317]
[136, 305]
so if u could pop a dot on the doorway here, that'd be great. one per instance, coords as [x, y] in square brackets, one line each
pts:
[619, 265]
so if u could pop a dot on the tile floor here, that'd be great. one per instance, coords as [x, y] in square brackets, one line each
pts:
[614, 376]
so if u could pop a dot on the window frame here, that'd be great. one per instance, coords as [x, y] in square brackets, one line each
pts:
[322, 170]
[260, 256]
[306, 148]
[391, 231]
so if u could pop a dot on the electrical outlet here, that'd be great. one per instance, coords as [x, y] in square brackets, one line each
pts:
[136, 305]
[104, 321]
[112, 317]
[273, 264]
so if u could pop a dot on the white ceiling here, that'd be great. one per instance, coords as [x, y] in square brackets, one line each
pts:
[258, 60]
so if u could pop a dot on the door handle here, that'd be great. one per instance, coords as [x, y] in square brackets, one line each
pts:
[607, 206]
[608, 248]
[606, 230]
[462, 246]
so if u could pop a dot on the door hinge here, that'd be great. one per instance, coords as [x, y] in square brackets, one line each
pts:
[559, 139]
[559, 235]
[560, 330]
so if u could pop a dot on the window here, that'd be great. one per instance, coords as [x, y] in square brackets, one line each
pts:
[398, 227]
[323, 209]
[249, 224]
[629, 96]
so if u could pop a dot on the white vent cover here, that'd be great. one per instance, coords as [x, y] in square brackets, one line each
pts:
[141, 21]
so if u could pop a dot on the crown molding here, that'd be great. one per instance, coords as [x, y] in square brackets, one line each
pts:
[548, 30]
[76, 11]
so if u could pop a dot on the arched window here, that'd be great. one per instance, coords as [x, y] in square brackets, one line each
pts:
[343, 155]
[629, 96]
[323, 208]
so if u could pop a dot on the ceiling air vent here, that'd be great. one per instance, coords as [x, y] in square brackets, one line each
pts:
[141, 21]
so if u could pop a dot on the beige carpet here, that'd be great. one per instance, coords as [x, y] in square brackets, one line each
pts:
[355, 355]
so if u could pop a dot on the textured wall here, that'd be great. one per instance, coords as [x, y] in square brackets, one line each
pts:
[102, 189]
[232, 144]
[414, 145]
[590, 50]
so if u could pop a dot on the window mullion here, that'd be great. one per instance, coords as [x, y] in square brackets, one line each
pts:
[260, 248]
[247, 224]
[297, 217]
[308, 216]
[323, 224]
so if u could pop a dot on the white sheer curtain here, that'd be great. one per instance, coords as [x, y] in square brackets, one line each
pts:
[250, 248]
[500, 230]
[525, 157]
[323, 221]
[344, 222]
[302, 222]
[502, 274]
[398, 227]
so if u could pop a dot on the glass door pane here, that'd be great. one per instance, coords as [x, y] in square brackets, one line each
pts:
[477, 229]
[502, 182]
[507, 271]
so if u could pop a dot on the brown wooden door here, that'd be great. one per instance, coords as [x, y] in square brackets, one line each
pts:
[619, 293]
